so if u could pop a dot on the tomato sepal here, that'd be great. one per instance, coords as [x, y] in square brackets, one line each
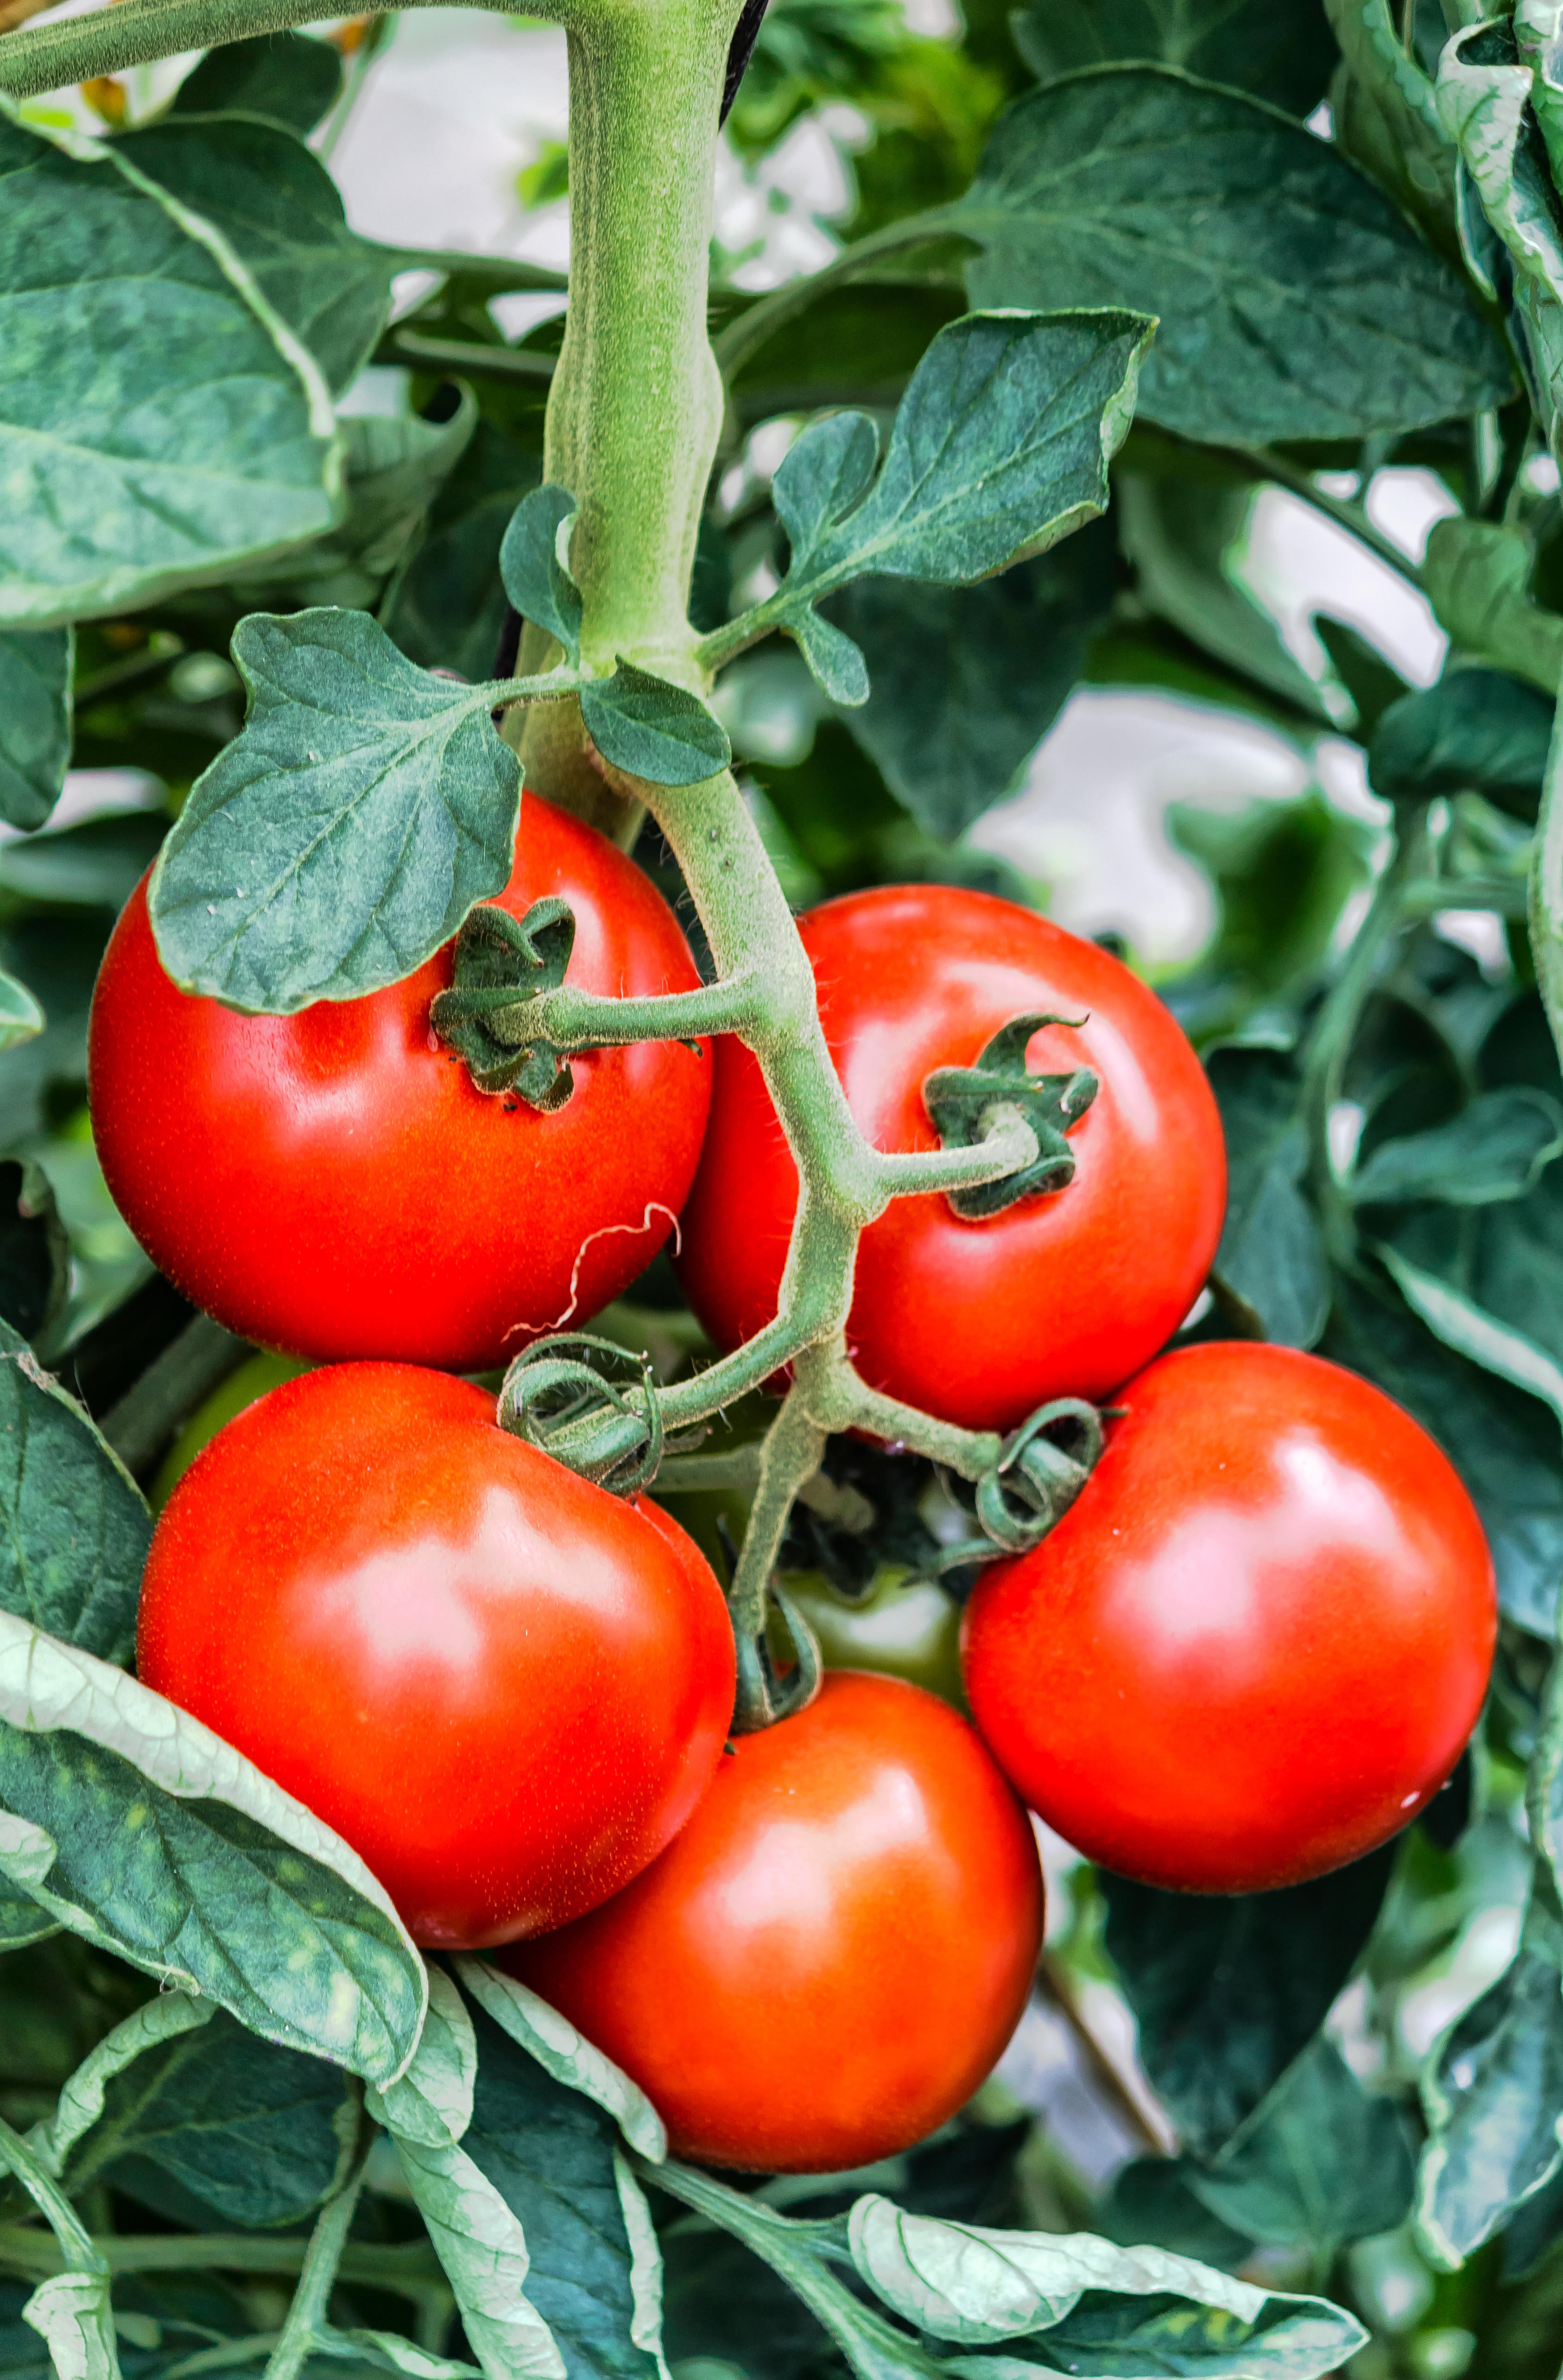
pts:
[963, 1104]
[502, 965]
[556, 1398]
[767, 1692]
[1035, 1480]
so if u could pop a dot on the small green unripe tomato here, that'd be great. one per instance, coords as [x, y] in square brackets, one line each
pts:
[903, 1631]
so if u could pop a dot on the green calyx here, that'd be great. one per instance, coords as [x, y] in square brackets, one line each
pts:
[766, 1692]
[966, 1104]
[502, 965]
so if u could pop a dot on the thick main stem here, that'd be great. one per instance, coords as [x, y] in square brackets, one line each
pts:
[635, 410]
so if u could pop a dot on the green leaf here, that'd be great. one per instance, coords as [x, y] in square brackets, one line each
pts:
[1386, 117]
[1178, 533]
[483, 2249]
[552, 2040]
[72, 2314]
[281, 213]
[35, 674]
[1294, 300]
[22, 1019]
[74, 1526]
[1321, 2162]
[966, 681]
[651, 729]
[552, 2154]
[1499, 1347]
[1283, 54]
[1000, 447]
[396, 465]
[132, 1825]
[857, 343]
[1476, 574]
[191, 2114]
[1477, 730]
[1228, 1991]
[344, 837]
[1483, 90]
[1494, 1148]
[535, 567]
[975, 2286]
[160, 426]
[1271, 1258]
[286, 77]
[1503, 1442]
[1492, 2093]
[432, 2103]
[447, 606]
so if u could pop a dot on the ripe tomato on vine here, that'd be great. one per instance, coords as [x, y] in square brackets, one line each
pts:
[333, 1184]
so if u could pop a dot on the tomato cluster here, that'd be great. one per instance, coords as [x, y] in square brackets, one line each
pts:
[1250, 1649]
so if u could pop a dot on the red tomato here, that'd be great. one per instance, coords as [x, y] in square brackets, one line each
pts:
[830, 1957]
[333, 1184]
[1065, 1292]
[504, 1687]
[1256, 1642]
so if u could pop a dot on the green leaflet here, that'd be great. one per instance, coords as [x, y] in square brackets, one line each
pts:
[35, 673]
[1493, 1149]
[966, 681]
[651, 729]
[191, 2114]
[396, 466]
[1387, 115]
[1228, 1991]
[595, 2271]
[74, 1526]
[131, 1823]
[535, 565]
[1321, 2162]
[279, 209]
[287, 78]
[553, 2042]
[1271, 1255]
[1476, 576]
[1294, 300]
[1477, 729]
[432, 2103]
[999, 448]
[344, 837]
[976, 2288]
[1492, 2091]
[1500, 1347]
[1283, 54]
[22, 1019]
[160, 426]
[72, 2315]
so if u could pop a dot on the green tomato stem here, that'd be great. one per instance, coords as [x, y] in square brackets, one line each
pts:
[790, 1455]
[1544, 906]
[137, 32]
[1335, 1030]
[79, 2252]
[317, 2278]
[574, 1019]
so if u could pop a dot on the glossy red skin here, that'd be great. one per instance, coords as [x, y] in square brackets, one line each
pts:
[1065, 1293]
[505, 1689]
[1254, 1646]
[828, 1959]
[333, 1184]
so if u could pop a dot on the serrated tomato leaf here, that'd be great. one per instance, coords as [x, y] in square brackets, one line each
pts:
[74, 1526]
[336, 843]
[35, 673]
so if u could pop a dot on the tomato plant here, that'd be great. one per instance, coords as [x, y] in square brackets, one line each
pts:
[496, 757]
[503, 1688]
[1272, 1560]
[334, 1183]
[979, 1320]
[862, 1855]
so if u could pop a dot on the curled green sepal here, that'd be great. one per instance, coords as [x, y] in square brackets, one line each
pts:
[502, 965]
[1044, 1466]
[963, 1105]
[557, 1397]
[765, 1692]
